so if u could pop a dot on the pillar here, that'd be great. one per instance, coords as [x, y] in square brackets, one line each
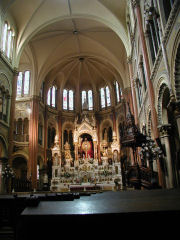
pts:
[12, 113]
[165, 133]
[136, 6]
[134, 100]
[60, 128]
[45, 134]
[33, 140]
[98, 147]
[114, 125]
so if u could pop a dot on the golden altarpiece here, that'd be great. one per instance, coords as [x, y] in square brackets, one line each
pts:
[85, 169]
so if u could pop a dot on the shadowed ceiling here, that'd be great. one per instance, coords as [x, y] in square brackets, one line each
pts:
[72, 41]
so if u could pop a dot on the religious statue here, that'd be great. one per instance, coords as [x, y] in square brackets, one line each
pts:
[87, 148]
[56, 160]
[67, 152]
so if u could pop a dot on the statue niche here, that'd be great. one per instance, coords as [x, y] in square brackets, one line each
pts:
[86, 148]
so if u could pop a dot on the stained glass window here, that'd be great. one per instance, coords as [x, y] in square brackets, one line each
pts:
[90, 99]
[117, 92]
[5, 36]
[65, 99]
[83, 97]
[49, 97]
[102, 93]
[19, 83]
[121, 96]
[53, 102]
[71, 100]
[23, 83]
[9, 40]
[26, 82]
[108, 99]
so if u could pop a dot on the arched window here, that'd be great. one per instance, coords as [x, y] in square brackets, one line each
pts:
[153, 29]
[65, 99]
[118, 92]
[103, 102]
[108, 99]
[83, 97]
[19, 84]
[23, 84]
[68, 99]
[71, 100]
[5, 31]
[26, 82]
[51, 96]
[90, 100]
[105, 97]
[7, 40]
[87, 100]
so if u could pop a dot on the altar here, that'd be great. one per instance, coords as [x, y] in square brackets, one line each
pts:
[85, 170]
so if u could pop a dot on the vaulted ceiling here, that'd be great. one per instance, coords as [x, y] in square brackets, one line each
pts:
[71, 41]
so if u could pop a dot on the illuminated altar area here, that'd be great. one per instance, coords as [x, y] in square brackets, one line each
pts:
[85, 170]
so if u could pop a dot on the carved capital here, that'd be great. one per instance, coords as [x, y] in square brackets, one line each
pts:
[135, 3]
[15, 72]
[165, 130]
[129, 60]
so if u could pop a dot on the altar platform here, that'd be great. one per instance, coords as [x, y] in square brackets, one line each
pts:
[110, 213]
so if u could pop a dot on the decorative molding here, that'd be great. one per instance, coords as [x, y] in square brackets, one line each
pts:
[6, 62]
[135, 3]
[165, 130]
[171, 19]
[156, 64]
[160, 96]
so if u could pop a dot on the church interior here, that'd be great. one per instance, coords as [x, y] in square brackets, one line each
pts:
[89, 101]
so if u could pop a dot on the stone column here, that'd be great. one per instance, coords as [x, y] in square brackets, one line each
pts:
[12, 113]
[59, 128]
[134, 100]
[33, 140]
[136, 6]
[165, 133]
[45, 134]
[59, 99]
[114, 124]
[98, 134]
